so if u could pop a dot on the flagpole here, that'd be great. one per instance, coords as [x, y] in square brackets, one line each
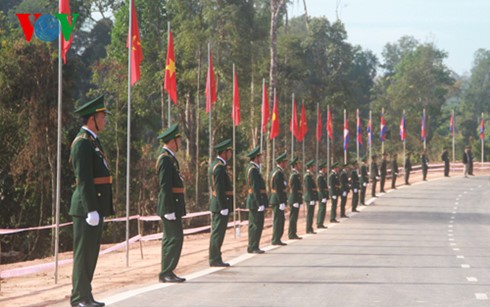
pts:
[345, 147]
[58, 157]
[302, 136]
[425, 129]
[210, 118]
[168, 95]
[234, 152]
[382, 140]
[453, 132]
[262, 119]
[357, 133]
[370, 138]
[292, 128]
[274, 139]
[317, 142]
[328, 141]
[128, 148]
[404, 142]
[482, 138]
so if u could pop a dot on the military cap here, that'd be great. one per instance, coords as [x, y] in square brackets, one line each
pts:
[394, 154]
[171, 133]
[322, 165]
[92, 107]
[374, 156]
[346, 164]
[254, 152]
[364, 158]
[293, 161]
[353, 162]
[310, 163]
[223, 145]
[385, 153]
[281, 157]
[336, 164]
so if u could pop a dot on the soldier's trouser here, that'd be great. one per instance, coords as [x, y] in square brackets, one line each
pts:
[407, 177]
[86, 246]
[446, 169]
[333, 212]
[343, 202]
[355, 199]
[393, 182]
[172, 242]
[382, 183]
[310, 212]
[363, 194]
[278, 224]
[322, 210]
[293, 221]
[373, 187]
[255, 226]
[424, 173]
[218, 231]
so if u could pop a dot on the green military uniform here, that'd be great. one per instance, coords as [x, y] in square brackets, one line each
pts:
[256, 203]
[310, 196]
[354, 176]
[278, 200]
[364, 180]
[322, 196]
[171, 206]
[374, 176]
[383, 171]
[408, 168]
[221, 204]
[93, 193]
[294, 199]
[394, 171]
[334, 188]
[344, 190]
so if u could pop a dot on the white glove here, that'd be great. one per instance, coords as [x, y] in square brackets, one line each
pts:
[334, 196]
[170, 216]
[344, 194]
[355, 190]
[261, 208]
[396, 174]
[377, 177]
[93, 218]
[296, 205]
[224, 212]
[312, 203]
[324, 200]
[282, 207]
[364, 184]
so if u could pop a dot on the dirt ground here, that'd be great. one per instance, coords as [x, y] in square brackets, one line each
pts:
[113, 276]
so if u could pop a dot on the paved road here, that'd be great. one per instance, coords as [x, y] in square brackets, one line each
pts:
[423, 245]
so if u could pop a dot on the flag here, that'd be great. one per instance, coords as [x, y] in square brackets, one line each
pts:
[451, 125]
[359, 129]
[274, 120]
[210, 85]
[319, 126]
[135, 43]
[65, 45]
[369, 131]
[482, 128]
[294, 127]
[303, 125]
[170, 84]
[403, 131]
[329, 125]
[265, 109]
[346, 134]
[382, 133]
[422, 127]
[236, 102]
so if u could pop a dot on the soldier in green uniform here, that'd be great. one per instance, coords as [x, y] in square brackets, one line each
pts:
[374, 175]
[322, 195]
[394, 170]
[294, 200]
[354, 177]
[344, 189]
[171, 203]
[364, 179]
[256, 201]
[278, 199]
[383, 170]
[334, 188]
[91, 201]
[310, 196]
[408, 168]
[221, 201]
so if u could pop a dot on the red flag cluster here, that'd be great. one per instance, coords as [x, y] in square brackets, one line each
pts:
[134, 42]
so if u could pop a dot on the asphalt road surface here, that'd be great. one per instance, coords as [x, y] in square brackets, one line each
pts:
[422, 245]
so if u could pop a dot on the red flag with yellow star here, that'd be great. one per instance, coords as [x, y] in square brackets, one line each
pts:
[170, 84]
[275, 120]
[135, 43]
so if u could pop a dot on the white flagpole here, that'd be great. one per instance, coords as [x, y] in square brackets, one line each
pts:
[274, 139]
[328, 141]
[128, 141]
[291, 124]
[370, 139]
[168, 95]
[317, 142]
[262, 117]
[404, 142]
[210, 96]
[345, 149]
[425, 129]
[234, 157]
[482, 141]
[357, 133]
[382, 141]
[453, 132]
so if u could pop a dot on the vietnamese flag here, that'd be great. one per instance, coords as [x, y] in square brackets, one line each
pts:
[294, 127]
[235, 114]
[65, 45]
[170, 84]
[303, 126]
[265, 109]
[275, 119]
[210, 85]
[329, 124]
[319, 126]
[135, 43]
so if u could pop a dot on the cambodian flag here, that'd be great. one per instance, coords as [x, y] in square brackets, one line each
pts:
[422, 127]
[482, 128]
[403, 131]
[382, 133]
[346, 134]
[369, 132]
[451, 125]
[359, 129]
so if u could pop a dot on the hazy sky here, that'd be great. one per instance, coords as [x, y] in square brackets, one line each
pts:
[460, 27]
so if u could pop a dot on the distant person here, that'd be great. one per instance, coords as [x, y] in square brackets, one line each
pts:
[334, 189]
[364, 179]
[354, 177]
[394, 170]
[425, 164]
[295, 199]
[470, 162]
[383, 171]
[374, 175]
[278, 198]
[408, 168]
[466, 158]
[344, 189]
[445, 158]
[322, 195]
[310, 196]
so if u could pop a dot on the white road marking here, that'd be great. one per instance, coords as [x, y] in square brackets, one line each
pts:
[450, 226]
[451, 239]
[456, 249]
[465, 266]
[460, 256]
[472, 279]
[481, 296]
[452, 244]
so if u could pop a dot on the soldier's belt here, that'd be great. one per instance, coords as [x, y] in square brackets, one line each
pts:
[101, 180]
[178, 190]
[227, 193]
[250, 191]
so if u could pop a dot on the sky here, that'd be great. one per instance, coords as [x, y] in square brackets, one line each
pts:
[459, 27]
